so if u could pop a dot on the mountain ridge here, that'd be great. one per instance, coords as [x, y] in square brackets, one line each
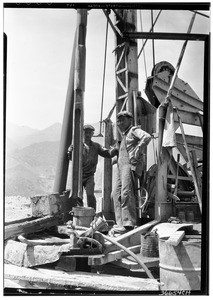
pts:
[30, 169]
[29, 136]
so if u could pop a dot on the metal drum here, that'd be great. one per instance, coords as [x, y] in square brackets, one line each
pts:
[180, 266]
[149, 246]
[83, 216]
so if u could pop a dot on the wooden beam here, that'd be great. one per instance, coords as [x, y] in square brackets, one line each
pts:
[35, 225]
[181, 92]
[189, 178]
[175, 238]
[182, 151]
[107, 173]
[190, 139]
[189, 117]
[132, 237]
[84, 280]
[19, 221]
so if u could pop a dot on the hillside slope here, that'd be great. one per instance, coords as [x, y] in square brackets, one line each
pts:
[30, 170]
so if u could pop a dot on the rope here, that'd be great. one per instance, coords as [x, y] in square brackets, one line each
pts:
[104, 72]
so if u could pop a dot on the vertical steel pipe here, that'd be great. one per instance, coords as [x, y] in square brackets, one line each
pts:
[76, 193]
[66, 132]
[4, 99]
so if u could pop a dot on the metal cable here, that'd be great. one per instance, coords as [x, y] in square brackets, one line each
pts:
[150, 31]
[144, 55]
[153, 41]
[104, 72]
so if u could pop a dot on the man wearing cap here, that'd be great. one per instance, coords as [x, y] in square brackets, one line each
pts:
[134, 141]
[91, 150]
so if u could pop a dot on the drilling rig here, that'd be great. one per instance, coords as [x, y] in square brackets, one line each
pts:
[169, 192]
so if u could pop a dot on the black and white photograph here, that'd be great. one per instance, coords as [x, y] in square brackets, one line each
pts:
[106, 148]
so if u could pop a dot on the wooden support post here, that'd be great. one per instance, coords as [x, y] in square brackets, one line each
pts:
[163, 208]
[135, 116]
[107, 174]
[132, 60]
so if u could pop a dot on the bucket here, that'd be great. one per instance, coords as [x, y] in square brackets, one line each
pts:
[149, 245]
[83, 216]
[180, 266]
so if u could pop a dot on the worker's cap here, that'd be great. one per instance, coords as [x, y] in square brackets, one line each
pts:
[88, 127]
[124, 113]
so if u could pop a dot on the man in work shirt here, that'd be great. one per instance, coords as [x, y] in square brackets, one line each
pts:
[91, 150]
[134, 141]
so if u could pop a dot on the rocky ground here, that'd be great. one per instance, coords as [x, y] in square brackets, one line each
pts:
[16, 208]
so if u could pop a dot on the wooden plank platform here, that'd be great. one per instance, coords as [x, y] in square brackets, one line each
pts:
[96, 282]
[111, 256]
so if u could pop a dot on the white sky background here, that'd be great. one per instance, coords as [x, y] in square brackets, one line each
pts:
[39, 55]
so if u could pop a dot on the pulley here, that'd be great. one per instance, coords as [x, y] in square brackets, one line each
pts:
[163, 66]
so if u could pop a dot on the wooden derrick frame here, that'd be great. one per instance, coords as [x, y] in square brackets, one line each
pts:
[191, 117]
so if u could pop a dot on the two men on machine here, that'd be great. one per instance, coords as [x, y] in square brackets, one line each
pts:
[129, 162]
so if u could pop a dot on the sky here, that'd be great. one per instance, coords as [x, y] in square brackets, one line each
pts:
[39, 55]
